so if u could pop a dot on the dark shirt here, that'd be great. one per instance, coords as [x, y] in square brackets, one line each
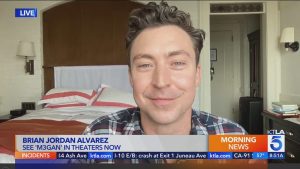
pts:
[127, 122]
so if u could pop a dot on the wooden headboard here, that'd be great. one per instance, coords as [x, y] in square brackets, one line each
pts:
[85, 33]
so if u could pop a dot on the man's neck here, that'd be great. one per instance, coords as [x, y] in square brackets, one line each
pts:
[179, 127]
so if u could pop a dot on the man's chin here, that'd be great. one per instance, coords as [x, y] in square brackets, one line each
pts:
[164, 117]
[162, 110]
[163, 122]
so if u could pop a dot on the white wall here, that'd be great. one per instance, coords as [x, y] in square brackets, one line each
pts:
[290, 61]
[15, 85]
[204, 23]
[271, 54]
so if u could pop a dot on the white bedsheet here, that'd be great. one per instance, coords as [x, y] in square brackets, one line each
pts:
[85, 114]
[7, 159]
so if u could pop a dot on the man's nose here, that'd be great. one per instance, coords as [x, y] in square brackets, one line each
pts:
[161, 77]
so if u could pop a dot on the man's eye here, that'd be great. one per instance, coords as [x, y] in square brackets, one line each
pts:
[144, 66]
[179, 63]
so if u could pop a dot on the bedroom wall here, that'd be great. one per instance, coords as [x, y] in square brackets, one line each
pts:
[290, 83]
[15, 85]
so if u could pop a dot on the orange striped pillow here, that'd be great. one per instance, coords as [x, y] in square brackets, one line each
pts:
[58, 96]
[114, 98]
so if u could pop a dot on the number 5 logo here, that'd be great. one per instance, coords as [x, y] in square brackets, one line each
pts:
[276, 143]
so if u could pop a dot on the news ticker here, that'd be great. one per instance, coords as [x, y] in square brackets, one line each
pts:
[150, 147]
[150, 155]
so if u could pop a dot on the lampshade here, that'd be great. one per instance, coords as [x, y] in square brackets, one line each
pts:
[25, 48]
[287, 35]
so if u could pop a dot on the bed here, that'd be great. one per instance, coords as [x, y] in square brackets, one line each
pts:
[71, 105]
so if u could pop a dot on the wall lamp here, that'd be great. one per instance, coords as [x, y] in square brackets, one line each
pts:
[287, 37]
[26, 50]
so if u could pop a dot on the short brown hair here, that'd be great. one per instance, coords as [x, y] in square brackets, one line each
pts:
[153, 15]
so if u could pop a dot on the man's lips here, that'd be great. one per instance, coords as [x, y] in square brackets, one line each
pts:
[162, 101]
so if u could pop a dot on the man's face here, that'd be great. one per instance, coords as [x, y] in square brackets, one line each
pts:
[164, 75]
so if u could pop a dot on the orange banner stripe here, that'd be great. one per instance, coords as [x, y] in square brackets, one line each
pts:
[35, 155]
[238, 143]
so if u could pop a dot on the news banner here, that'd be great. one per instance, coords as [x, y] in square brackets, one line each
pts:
[104, 147]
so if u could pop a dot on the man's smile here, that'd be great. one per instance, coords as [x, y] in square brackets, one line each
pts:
[162, 101]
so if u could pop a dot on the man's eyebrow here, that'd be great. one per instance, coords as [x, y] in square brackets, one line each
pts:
[140, 56]
[170, 54]
[179, 52]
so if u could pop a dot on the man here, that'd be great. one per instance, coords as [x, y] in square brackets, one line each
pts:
[164, 52]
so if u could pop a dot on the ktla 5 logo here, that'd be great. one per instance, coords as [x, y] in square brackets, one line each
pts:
[276, 143]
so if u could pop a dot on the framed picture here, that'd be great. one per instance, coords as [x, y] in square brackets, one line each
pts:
[213, 54]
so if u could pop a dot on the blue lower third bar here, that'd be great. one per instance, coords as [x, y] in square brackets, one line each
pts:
[160, 155]
[219, 155]
[100, 155]
[260, 155]
[277, 155]
[71, 155]
[242, 155]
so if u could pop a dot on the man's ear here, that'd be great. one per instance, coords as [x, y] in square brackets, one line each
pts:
[198, 75]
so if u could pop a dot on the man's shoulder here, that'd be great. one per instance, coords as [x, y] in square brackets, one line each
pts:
[114, 123]
[216, 124]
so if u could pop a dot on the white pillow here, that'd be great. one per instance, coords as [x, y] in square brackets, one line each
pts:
[114, 97]
[76, 104]
[63, 96]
